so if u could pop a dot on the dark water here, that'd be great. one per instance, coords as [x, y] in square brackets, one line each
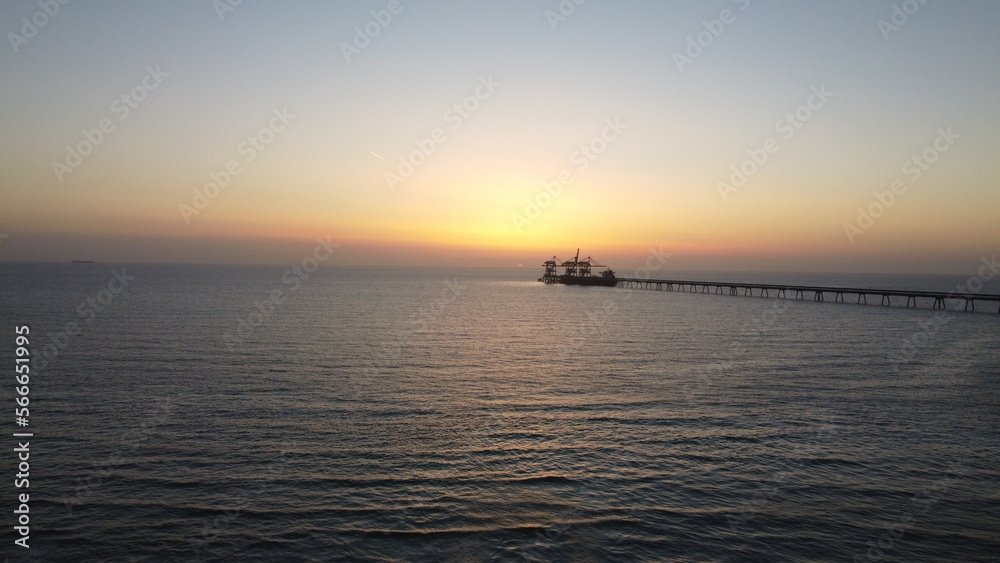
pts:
[450, 415]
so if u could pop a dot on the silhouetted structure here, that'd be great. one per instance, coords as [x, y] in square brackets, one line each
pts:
[935, 298]
[577, 272]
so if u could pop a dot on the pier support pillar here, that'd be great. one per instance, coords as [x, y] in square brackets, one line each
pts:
[939, 300]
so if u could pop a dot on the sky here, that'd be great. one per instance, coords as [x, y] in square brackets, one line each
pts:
[759, 135]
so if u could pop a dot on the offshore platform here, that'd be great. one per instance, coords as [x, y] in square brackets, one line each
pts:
[577, 272]
[581, 272]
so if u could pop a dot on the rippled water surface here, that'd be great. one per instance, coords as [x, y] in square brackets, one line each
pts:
[455, 415]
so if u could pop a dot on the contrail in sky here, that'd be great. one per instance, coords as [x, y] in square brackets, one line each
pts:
[373, 154]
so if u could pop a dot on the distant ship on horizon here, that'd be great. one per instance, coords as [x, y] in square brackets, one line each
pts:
[577, 272]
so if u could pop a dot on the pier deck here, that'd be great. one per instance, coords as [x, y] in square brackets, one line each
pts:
[936, 299]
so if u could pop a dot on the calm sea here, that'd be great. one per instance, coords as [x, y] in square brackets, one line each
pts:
[223, 413]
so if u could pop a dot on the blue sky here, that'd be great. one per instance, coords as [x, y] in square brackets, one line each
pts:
[658, 184]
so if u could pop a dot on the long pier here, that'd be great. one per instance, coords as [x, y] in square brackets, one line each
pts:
[937, 299]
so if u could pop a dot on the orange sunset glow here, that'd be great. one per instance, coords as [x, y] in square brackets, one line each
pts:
[539, 145]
